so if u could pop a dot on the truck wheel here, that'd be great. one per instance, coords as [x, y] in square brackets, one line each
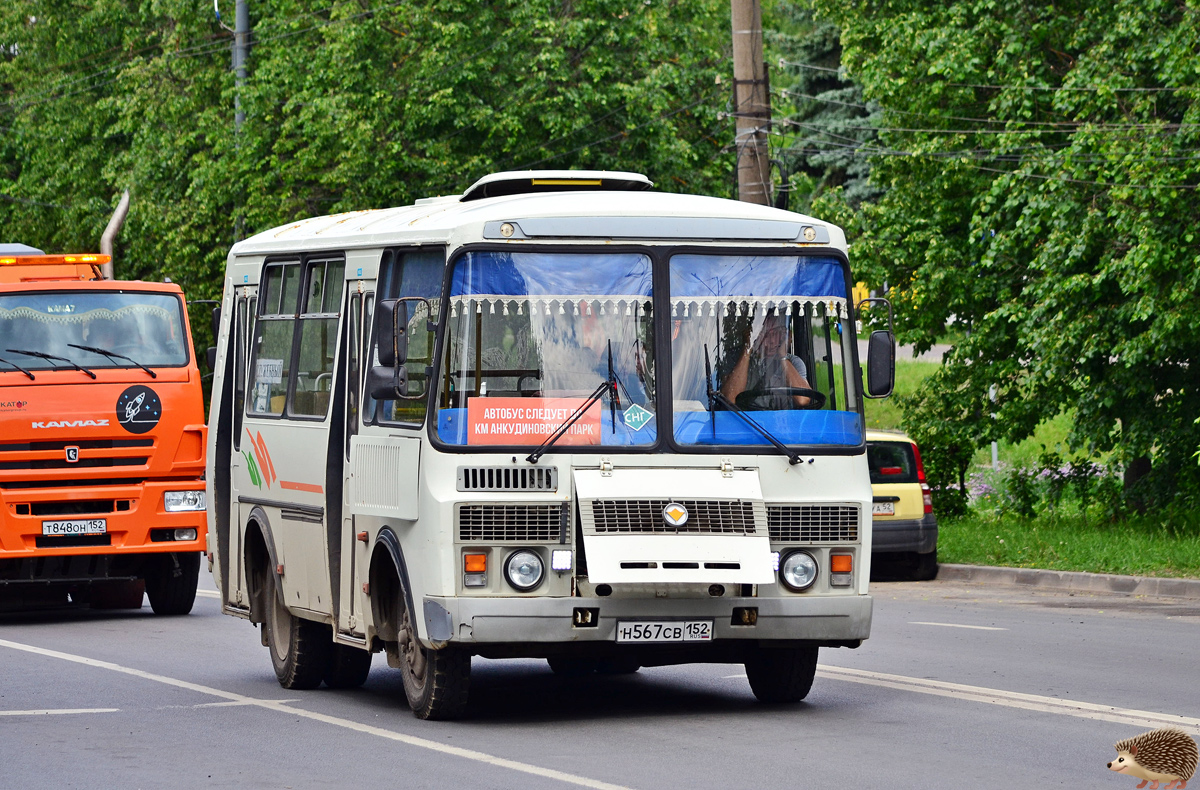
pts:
[348, 667]
[436, 682]
[171, 582]
[926, 568]
[300, 649]
[572, 667]
[781, 674]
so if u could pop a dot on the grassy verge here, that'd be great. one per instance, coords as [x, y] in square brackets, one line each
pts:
[1136, 546]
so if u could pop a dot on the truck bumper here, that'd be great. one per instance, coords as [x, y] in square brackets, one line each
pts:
[841, 619]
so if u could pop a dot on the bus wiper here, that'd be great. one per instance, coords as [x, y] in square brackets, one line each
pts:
[18, 367]
[41, 355]
[716, 396]
[608, 385]
[114, 355]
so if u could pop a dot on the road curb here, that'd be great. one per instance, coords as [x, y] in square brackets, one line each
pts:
[1072, 580]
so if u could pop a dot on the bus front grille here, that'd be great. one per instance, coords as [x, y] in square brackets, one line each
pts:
[509, 523]
[712, 516]
[507, 478]
[813, 523]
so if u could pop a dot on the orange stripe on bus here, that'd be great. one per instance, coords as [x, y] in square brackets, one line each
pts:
[315, 489]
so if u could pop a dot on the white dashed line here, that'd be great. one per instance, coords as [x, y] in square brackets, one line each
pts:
[57, 712]
[960, 625]
[281, 706]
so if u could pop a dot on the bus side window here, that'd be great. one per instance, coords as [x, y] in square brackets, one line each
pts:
[273, 336]
[353, 368]
[319, 312]
[412, 273]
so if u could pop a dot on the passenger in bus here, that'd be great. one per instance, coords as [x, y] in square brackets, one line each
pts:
[765, 370]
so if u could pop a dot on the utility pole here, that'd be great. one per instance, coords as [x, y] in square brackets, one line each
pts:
[241, 53]
[751, 103]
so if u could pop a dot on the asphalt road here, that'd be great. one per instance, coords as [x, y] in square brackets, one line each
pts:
[959, 686]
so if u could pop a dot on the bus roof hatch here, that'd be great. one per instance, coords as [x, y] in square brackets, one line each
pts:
[530, 181]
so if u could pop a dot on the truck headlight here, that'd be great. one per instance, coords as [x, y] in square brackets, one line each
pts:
[798, 571]
[524, 570]
[179, 501]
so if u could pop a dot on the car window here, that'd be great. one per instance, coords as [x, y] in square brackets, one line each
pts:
[891, 462]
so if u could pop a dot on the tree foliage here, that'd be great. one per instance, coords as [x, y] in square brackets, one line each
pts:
[349, 104]
[1041, 166]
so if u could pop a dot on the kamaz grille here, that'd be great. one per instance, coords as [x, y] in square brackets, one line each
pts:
[813, 523]
[507, 478]
[509, 523]
[727, 517]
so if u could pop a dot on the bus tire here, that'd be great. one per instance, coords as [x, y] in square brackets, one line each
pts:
[781, 675]
[436, 682]
[171, 582]
[348, 667]
[618, 666]
[300, 649]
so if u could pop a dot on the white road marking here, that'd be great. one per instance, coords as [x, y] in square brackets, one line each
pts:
[279, 705]
[208, 594]
[1009, 699]
[56, 712]
[960, 625]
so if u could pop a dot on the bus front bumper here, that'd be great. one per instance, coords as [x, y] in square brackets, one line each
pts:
[837, 619]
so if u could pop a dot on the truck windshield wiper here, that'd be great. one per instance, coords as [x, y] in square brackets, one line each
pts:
[41, 355]
[716, 396]
[114, 355]
[18, 367]
[609, 385]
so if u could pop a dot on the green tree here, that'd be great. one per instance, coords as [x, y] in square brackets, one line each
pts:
[1041, 188]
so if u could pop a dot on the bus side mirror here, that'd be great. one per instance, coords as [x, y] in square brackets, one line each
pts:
[881, 364]
[391, 327]
[216, 323]
[211, 357]
[386, 383]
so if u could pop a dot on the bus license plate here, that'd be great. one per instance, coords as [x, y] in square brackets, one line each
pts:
[673, 631]
[75, 526]
[883, 509]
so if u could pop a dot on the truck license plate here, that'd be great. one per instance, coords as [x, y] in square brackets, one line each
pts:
[75, 526]
[883, 509]
[672, 631]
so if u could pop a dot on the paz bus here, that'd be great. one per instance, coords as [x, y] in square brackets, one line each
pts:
[102, 457]
[559, 416]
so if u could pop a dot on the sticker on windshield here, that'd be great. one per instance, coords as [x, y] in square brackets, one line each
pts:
[139, 409]
[636, 417]
[268, 371]
[530, 420]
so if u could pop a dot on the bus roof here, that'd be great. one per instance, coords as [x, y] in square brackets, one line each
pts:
[604, 214]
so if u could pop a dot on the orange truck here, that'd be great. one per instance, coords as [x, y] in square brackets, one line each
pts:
[102, 448]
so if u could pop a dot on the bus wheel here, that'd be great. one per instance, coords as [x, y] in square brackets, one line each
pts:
[436, 682]
[171, 582]
[618, 666]
[781, 674]
[348, 667]
[300, 649]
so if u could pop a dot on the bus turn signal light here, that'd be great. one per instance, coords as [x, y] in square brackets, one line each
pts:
[841, 563]
[474, 570]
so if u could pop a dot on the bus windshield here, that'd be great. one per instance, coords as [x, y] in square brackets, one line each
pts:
[532, 335]
[761, 335]
[145, 327]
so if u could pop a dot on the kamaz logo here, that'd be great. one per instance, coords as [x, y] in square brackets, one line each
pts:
[72, 424]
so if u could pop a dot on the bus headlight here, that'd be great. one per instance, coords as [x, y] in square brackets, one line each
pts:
[524, 570]
[798, 571]
[179, 501]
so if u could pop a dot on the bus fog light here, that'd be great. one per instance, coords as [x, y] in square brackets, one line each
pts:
[180, 501]
[475, 580]
[841, 579]
[798, 570]
[185, 533]
[560, 560]
[524, 570]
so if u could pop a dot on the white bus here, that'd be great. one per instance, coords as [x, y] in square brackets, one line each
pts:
[558, 416]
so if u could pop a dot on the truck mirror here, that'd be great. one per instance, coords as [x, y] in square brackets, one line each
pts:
[387, 383]
[881, 364]
[216, 323]
[211, 357]
[391, 328]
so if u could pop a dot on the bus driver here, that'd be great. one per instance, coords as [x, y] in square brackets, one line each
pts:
[765, 368]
